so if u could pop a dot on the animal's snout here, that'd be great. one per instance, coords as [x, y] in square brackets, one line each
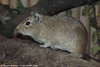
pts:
[16, 29]
[15, 32]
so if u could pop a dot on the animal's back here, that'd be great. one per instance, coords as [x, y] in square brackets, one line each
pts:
[68, 33]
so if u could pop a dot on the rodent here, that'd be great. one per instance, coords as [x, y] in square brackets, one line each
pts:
[5, 13]
[64, 33]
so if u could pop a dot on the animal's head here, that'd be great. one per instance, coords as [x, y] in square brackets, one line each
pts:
[5, 10]
[30, 26]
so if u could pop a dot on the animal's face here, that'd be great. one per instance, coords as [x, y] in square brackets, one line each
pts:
[29, 26]
[5, 11]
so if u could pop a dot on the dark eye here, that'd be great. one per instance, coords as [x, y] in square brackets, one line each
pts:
[27, 23]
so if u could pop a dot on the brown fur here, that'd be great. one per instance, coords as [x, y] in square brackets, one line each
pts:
[5, 13]
[65, 33]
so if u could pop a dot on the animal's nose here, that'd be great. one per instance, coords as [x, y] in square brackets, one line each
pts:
[16, 29]
[15, 32]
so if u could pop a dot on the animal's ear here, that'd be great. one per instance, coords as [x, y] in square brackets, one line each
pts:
[37, 16]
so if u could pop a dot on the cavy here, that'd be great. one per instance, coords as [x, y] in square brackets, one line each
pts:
[64, 33]
[6, 13]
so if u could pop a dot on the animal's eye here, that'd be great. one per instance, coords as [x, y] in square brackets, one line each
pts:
[27, 23]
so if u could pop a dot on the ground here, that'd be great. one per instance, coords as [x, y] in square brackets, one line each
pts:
[17, 51]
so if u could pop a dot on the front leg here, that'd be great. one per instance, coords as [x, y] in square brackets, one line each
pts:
[48, 44]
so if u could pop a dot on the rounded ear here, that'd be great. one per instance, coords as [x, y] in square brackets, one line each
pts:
[37, 16]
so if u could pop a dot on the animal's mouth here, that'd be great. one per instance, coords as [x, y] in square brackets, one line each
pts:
[16, 32]
[24, 37]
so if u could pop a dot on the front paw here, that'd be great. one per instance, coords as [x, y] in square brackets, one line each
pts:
[44, 46]
[48, 44]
